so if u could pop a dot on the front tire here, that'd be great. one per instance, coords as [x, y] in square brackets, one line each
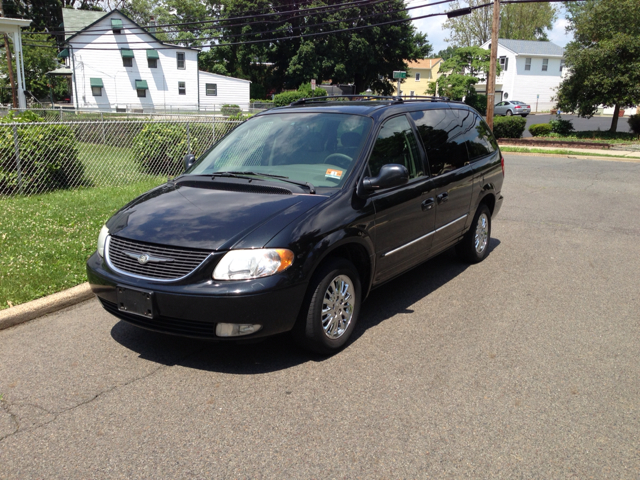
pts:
[474, 246]
[331, 307]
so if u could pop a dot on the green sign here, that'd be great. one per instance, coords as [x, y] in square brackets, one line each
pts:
[398, 74]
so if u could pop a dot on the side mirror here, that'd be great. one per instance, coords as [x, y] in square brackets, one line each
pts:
[189, 159]
[391, 175]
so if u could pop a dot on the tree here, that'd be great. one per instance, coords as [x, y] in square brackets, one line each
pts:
[467, 66]
[517, 21]
[447, 53]
[603, 60]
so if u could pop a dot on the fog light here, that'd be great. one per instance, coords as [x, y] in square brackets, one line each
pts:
[235, 329]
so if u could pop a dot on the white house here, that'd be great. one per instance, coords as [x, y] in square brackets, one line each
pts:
[217, 90]
[531, 72]
[119, 65]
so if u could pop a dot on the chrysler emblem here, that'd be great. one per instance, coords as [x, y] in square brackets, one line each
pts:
[144, 258]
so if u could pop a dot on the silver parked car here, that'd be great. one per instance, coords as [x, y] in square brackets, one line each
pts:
[512, 107]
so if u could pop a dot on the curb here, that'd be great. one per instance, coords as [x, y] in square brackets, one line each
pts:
[49, 304]
[579, 156]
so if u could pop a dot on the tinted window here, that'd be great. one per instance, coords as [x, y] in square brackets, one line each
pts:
[481, 141]
[396, 144]
[443, 137]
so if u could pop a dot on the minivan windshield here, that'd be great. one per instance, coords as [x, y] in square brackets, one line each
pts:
[318, 148]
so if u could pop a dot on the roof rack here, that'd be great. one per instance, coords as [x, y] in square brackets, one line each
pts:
[356, 98]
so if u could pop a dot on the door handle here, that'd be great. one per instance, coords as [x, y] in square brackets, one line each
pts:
[428, 204]
[443, 197]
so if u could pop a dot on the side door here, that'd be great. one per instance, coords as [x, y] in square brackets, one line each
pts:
[499, 109]
[405, 215]
[444, 133]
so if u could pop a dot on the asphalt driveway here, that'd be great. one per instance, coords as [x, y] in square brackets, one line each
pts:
[524, 366]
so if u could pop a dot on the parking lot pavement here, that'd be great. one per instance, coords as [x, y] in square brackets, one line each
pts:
[580, 124]
[525, 365]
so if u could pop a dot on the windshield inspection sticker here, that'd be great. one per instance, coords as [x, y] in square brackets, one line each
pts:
[331, 173]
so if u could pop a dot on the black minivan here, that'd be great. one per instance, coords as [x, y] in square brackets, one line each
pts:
[288, 222]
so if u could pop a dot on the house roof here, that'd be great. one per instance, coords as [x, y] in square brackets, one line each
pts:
[532, 47]
[143, 30]
[76, 20]
[215, 75]
[424, 63]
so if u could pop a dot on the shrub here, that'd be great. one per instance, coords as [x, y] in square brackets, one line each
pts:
[540, 130]
[228, 109]
[479, 102]
[561, 127]
[509, 127]
[48, 158]
[634, 123]
[285, 98]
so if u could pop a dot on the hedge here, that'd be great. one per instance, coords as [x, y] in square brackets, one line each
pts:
[286, 98]
[634, 123]
[48, 157]
[479, 102]
[509, 127]
[228, 109]
[540, 129]
[561, 127]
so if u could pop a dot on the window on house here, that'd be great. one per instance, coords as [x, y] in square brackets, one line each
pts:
[182, 89]
[212, 89]
[417, 77]
[127, 57]
[142, 93]
[180, 60]
[141, 88]
[504, 63]
[116, 25]
[96, 86]
[152, 58]
[545, 64]
[411, 94]
[527, 64]
[562, 64]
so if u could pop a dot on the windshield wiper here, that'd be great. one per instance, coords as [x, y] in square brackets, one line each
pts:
[308, 185]
[230, 175]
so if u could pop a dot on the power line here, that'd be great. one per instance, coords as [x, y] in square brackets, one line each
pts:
[300, 27]
[245, 16]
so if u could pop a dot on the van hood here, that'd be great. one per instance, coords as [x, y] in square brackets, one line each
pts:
[198, 214]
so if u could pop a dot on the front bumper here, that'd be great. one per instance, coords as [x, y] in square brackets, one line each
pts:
[194, 309]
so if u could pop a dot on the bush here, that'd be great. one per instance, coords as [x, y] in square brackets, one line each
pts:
[228, 109]
[48, 158]
[508, 127]
[479, 102]
[540, 130]
[634, 123]
[285, 98]
[561, 127]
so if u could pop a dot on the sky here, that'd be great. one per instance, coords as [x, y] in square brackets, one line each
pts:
[436, 35]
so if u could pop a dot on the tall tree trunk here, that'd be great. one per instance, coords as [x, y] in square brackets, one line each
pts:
[614, 120]
[10, 68]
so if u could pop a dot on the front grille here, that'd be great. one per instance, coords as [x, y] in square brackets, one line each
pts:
[176, 326]
[183, 260]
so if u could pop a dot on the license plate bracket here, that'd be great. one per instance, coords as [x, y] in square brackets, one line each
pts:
[136, 302]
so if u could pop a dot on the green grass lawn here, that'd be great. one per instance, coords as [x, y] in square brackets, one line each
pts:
[46, 239]
[107, 165]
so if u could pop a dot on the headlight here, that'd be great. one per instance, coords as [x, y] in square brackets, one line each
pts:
[246, 264]
[104, 232]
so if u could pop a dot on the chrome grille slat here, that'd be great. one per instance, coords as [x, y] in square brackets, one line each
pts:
[185, 260]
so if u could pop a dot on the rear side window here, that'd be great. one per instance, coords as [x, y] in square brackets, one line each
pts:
[396, 143]
[482, 142]
[444, 140]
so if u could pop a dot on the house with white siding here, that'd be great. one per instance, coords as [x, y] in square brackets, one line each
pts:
[116, 64]
[217, 90]
[531, 72]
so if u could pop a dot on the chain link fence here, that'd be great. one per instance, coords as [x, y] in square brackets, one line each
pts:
[45, 156]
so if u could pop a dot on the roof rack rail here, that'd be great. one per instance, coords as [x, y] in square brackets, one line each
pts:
[393, 99]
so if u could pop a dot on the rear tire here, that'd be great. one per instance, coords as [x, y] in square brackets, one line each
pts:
[474, 246]
[525, 115]
[509, 113]
[330, 310]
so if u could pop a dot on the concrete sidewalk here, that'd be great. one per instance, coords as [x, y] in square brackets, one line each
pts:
[581, 151]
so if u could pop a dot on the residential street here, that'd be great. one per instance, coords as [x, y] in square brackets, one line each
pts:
[523, 366]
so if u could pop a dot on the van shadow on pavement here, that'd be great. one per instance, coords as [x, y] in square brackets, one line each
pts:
[279, 352]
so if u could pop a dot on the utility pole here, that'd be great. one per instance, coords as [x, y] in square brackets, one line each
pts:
[491, 81]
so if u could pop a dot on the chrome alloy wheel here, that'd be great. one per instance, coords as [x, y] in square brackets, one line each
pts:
[337, 306]
[482, 233]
